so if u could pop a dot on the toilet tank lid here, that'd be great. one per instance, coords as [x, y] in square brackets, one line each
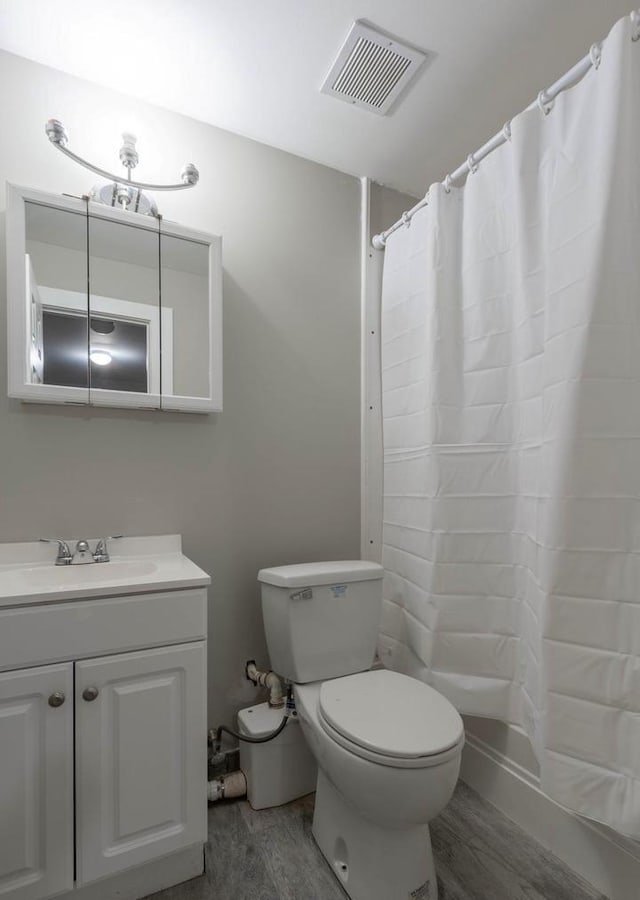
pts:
[309, 574]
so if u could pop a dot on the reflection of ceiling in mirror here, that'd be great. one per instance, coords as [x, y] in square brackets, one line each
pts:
[184, 255]
[123, 243]
[59, 227]
[118, 241]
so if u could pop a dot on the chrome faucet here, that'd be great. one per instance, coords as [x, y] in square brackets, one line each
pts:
[65, 556]
[101, 553]
[82, 555]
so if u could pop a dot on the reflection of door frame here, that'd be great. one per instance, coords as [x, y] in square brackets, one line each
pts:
[151, 316]
[35, 350]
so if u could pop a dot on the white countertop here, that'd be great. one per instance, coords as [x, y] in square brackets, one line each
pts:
[28, 574]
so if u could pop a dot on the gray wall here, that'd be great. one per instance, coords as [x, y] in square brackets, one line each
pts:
[386, 207]
[274, 478]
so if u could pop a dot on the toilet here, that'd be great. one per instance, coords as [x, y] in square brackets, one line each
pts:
[387, 746]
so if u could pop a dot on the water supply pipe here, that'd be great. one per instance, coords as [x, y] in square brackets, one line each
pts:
[266, 679]
[277, 699]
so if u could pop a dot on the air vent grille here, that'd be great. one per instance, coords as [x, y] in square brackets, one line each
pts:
[372, 69]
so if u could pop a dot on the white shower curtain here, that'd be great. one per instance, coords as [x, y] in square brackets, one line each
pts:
[511, 404]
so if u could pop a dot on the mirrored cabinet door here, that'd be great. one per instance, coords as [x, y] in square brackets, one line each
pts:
[56, 332]
[192, 327]
[124, 313]
[111, 308]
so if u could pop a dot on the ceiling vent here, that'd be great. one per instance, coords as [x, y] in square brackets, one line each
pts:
[372, 69]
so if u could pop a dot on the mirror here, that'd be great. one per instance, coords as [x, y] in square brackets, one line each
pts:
[111, 308]
[56, 265]
[124, 312]
[185, 293]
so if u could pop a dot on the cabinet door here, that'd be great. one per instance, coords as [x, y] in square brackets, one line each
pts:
[141, 757]
[36, 782]
[47, 301]
[125, 319]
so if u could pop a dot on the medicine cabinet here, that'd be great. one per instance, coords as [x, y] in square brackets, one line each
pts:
[111, 308]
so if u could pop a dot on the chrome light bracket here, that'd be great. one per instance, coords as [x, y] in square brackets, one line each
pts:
[124, 193]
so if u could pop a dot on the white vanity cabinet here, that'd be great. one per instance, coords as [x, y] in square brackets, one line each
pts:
[140, 785]
[103, 739]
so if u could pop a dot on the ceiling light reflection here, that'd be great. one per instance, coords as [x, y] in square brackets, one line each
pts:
[100, 357]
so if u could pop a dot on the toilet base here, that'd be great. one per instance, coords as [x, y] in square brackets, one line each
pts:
[372, 862]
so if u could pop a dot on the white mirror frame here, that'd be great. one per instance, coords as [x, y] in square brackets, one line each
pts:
[19, 331]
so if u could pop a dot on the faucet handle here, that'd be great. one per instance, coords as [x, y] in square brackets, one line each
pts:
[101, 553]
[65, 555]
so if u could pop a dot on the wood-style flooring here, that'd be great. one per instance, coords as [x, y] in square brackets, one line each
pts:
[271, 855]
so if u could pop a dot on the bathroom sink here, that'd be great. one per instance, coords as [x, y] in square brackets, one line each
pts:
[92, 573]
[139, 564]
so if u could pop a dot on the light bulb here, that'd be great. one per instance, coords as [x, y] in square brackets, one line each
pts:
[100, 357]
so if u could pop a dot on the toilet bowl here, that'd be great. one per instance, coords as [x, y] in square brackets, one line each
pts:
[379, 788]
[397, 775]
[387, 746]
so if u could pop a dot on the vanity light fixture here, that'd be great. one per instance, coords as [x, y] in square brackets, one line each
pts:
[100, 357]
[127, 194]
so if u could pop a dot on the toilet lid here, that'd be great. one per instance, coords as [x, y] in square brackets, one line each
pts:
[390, 714]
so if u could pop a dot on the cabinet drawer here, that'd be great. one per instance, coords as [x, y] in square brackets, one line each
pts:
[79, 629]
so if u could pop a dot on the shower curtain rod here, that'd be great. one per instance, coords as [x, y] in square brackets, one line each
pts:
[544, 101]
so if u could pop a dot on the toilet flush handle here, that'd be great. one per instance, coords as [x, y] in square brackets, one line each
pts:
[304, 594]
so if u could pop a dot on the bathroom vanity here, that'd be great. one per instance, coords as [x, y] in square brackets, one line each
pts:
[102, 721]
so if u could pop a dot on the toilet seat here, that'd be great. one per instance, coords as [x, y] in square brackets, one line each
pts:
[391, 719]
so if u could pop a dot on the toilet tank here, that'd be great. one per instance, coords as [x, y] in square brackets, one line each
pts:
[321, 619]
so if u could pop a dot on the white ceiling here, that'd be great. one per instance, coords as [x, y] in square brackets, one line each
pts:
[255, 67]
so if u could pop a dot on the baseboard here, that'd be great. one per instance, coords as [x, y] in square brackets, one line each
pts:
[607, 860]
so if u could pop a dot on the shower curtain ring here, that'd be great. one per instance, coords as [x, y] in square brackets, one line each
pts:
[447, 184]
[472, 165]
[545, 103]
[595, 54]
[635, 24]
[506, 131]
[406, 219]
